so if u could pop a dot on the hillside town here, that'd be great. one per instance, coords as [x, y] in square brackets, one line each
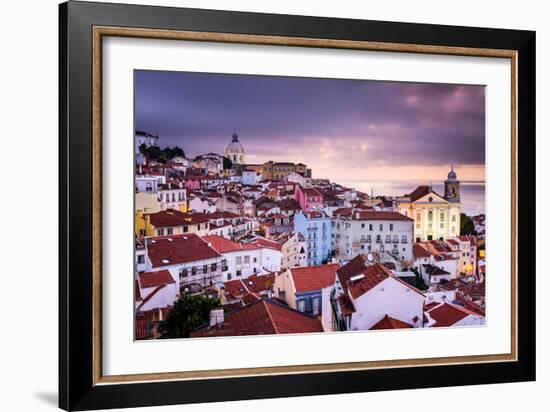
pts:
[231, 248]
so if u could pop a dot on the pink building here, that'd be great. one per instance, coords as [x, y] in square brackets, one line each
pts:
[310, 199]
[192, 182]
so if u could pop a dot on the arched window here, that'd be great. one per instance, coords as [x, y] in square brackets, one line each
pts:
[430, 216]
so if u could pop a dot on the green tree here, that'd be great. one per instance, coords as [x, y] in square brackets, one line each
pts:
[467, 226]
[419, 282]
[143, 149]
[177, 151]
[189, 312]
[153, 152]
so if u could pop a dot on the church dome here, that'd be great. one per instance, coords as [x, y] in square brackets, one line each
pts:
[235, 146]
[235, 151]
[452, 174]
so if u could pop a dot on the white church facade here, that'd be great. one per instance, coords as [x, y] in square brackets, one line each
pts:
[436, 217]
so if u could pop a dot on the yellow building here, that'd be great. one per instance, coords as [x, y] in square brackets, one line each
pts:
[147, 202]
[435, 217]
[171, 222]
[280, 170]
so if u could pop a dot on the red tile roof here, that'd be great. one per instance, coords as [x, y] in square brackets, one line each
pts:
[259, 283]
[343, 211]
[153, 279]
[222, 215]
[223, 245]
[420, 252]
[372, 276]
[172, 217]
[262, 242]
[346, 305]
[312, 278]
[419, 192]
[387, 322]
[262, 317]
[143, 330]
[238, 288]
[379, 215]
[448, 314]
[171, 250]
[354, 267]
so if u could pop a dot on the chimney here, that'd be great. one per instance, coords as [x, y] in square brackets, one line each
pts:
[216, 317]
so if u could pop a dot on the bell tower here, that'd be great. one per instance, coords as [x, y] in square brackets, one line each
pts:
[452, 187]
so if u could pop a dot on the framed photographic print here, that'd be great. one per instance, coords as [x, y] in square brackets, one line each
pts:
[259, 205]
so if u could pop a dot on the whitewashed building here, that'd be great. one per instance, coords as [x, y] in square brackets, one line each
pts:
[447, 314]
[172, 196]
[201, 204]
[294, 249]
[363, 232]
[370, 296]
[241, 260]
[191, 261]
[250, 177]
[156, 290]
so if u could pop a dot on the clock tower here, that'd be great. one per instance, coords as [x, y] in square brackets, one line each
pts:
[452, 187]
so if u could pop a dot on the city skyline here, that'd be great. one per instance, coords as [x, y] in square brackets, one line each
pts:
[378, 131]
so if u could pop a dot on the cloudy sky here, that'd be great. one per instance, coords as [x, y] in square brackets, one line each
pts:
[345, 130]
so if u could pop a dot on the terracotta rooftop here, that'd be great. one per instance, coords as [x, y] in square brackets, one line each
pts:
[447, 314]
[153, 279]
[343, 211]
[419, 192]
[171, 250]
[354, 267]
[372, 276]
[262, 242]
[172, 217]
[223, 245]
[387, 322]
[262, 317]
[420, 252]
[346, 305]
[312, 278]
[379, 215]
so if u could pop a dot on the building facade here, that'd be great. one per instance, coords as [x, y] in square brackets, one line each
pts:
[309, 198]
[301, 287]
[316, 228]
[435, 217]
[363, 232]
